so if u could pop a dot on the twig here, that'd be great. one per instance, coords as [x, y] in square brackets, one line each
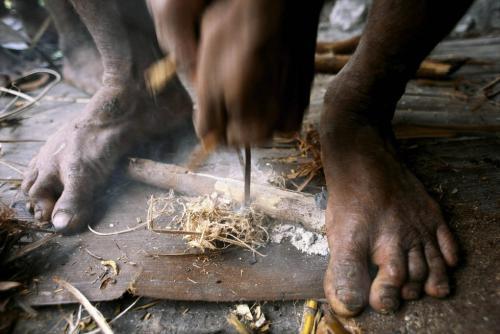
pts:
[43, 28]
[17, 93]
[5, 115]
[166, 231]
[77, 322]
[30, 248]
[145, 306]
[94, 313]
[67, 99]
[306, 182]
[172, 254]
[10, 141]
[29, 42]
[6, 164]
[116, 232]
[491, 84]
[93, 255]
[118, 316]
[241, 243]
[11, 180]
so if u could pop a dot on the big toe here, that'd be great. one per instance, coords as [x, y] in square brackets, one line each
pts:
[71, 212]
[347, 283]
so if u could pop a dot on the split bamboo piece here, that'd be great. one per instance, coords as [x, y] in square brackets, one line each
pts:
[159, 74]
[310, 309]
[276, 203]
[346, 46]
[429, 69]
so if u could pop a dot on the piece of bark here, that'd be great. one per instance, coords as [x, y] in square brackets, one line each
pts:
[429, 69]
[277, 203]
[159, 74]
[346, 46]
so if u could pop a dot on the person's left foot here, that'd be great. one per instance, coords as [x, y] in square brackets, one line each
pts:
[77, 161]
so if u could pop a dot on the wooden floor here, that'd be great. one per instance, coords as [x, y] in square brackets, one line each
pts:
[463, 173]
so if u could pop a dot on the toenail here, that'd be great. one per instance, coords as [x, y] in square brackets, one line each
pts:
[412, 294]
[443, 290]
[352, 300]
[389, 304]
[62, 219]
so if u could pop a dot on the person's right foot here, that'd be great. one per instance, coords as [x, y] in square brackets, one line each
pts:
[78, 159]
[378, 213]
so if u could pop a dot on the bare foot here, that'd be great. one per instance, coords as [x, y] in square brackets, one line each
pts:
[77, 160]
[378, 213]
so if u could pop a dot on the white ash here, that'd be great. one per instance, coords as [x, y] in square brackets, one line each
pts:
[308, 242]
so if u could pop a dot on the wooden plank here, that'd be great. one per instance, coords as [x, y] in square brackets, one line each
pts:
[229, 276]
[283, 274]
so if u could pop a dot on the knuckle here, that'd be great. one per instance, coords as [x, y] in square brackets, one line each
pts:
[394, 272]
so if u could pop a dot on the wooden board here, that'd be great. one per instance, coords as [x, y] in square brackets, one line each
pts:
[232, 275]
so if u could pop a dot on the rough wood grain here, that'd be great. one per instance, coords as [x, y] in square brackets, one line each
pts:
[281, 204]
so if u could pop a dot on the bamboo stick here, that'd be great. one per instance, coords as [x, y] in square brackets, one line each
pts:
[429, 69]
[346, 46]
[277, 203]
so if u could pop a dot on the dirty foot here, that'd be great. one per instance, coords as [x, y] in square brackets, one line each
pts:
[78, 159]
[378, 214]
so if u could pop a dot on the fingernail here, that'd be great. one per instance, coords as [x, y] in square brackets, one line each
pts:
[61, 220]
[389, 304]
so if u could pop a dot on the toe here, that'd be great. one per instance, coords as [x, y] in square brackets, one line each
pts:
[347, 281]
[385, 289]
[71, 212]
[447, 245]
[28, 180]
[437, 282]
[417, 272]
[42, 196]
[43, 208]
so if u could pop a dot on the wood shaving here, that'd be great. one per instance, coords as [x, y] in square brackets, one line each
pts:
[309, 147]
[112, 265]
[208, 222]
[247, 319]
